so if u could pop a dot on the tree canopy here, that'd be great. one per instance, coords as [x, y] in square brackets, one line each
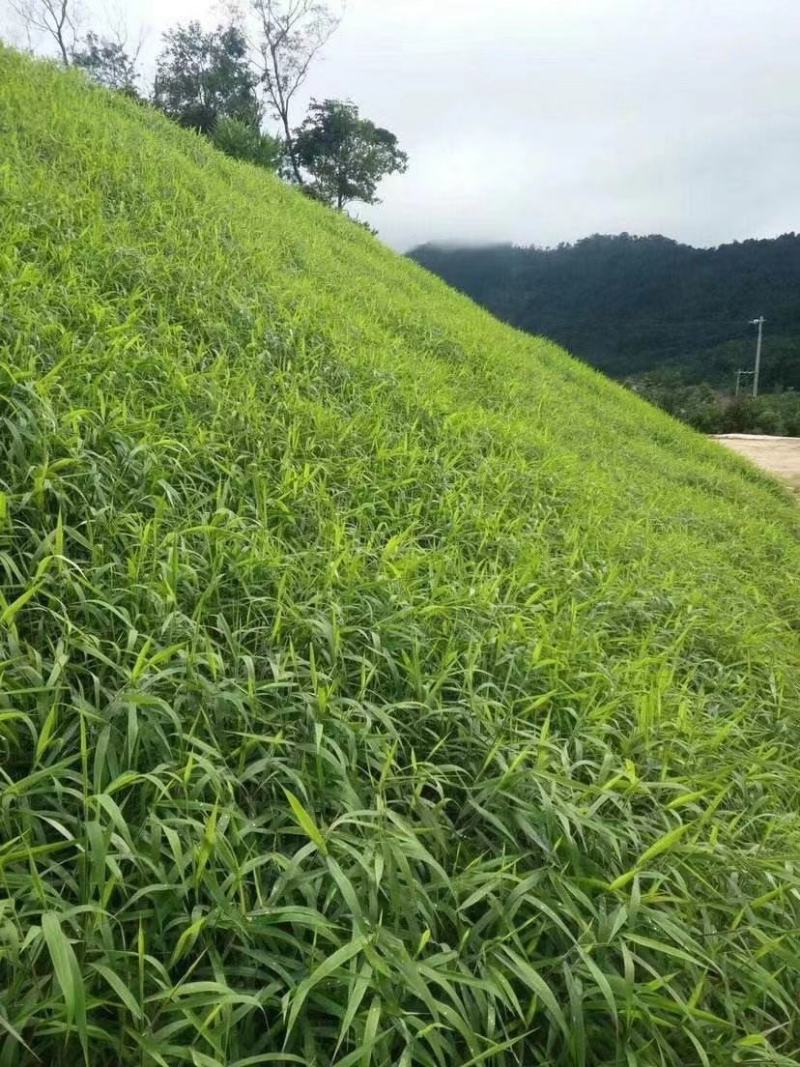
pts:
[204, 76]
[346, 156]
[107, 62]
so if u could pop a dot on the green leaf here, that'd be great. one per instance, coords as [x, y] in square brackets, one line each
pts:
[534, 981]
[325, 969]
[119, 987]
[67, 972]
[6, 1025]
[305, 822]
[666, 841]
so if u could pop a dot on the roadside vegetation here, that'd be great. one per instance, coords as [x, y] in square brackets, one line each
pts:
[711, 411]
[379, 685]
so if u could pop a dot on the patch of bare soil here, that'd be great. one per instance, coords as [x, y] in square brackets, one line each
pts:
[778, 455]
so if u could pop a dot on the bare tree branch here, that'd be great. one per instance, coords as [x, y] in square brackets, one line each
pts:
[292, 33]
[55, 18]
[119, 31]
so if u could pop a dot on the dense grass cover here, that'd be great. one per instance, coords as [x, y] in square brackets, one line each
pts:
[379, 685]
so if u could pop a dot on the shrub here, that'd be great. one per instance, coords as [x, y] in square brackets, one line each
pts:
[240, 140]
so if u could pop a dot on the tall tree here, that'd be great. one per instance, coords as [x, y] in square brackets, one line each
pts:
[345, 155]
[291, 34]
[201, 77]
[107, 62]
[54, 18]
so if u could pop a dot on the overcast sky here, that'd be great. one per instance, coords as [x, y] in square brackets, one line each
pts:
[540, 121]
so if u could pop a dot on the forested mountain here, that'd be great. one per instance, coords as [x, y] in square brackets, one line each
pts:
[631, 304]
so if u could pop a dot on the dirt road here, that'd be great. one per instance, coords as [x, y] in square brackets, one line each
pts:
[778, 455]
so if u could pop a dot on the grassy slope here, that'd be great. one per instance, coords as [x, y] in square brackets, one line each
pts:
[344, 623]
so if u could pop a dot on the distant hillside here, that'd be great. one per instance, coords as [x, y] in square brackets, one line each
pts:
[380, 686]
[630, 304]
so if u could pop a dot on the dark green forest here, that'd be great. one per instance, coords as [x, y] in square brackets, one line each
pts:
[670, 319]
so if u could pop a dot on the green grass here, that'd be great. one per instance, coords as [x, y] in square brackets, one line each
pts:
[379, 685]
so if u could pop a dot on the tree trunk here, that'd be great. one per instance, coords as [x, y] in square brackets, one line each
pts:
[59, 34]
[290, 149]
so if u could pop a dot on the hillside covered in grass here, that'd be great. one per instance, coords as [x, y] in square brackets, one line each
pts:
[379, 685]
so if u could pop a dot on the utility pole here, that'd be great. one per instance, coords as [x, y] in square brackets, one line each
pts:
[760, 323]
